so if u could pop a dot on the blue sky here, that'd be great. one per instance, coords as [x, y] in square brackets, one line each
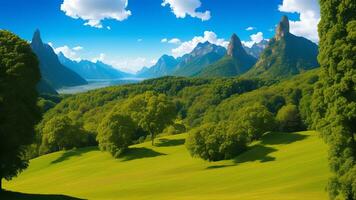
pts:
[138, 32]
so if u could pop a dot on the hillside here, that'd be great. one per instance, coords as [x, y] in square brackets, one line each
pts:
[234, 63]
[281, 166]
[285, 55]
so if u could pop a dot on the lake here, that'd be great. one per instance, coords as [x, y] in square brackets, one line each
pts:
[96, 84]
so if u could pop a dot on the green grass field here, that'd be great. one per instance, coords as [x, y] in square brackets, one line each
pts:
[283, 166]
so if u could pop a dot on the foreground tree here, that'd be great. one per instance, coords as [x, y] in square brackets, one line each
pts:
[334, 100]
[115, 134]
[19, 74]
[151, 112]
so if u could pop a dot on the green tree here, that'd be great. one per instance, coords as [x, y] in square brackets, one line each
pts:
[215, 142]
[151, 112]
[334, 100]
[115, 134]
[254, 120]
[19, 74]
[60, 133]
[288, 118]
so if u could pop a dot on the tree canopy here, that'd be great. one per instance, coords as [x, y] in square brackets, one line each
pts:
[19, 74]
[334, 102]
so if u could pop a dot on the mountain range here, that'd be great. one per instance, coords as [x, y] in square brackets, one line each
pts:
[282, 56]
[92, 70]
[53, 74]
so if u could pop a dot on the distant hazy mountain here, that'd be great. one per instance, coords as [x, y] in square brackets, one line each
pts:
[165, 66]
[202, 55]
[92, 70]
[236, 61]
[53, 73]
[256, 48]
[285, 55]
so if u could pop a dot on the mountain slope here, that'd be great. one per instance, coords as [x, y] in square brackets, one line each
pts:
[202, 55]
[285, 55]
[289, 166]
[236, 62]
[52, 71]
[165, 66]
[91, 70]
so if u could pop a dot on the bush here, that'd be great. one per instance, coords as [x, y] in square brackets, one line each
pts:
[61, 133]
[288, 118]
[254, 120]
[115, 134]
[215, 142]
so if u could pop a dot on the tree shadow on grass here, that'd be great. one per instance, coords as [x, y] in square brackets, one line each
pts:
[138, 153]
[218, 166]
[163, 142]
[71, 153]
[281, 138]
[8, 195]
[256, 152]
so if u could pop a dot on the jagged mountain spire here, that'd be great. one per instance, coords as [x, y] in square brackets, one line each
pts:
[282, 28]
[36, 39]
[235, 47]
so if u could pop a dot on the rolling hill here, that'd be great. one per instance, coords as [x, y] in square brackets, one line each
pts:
[281, 166]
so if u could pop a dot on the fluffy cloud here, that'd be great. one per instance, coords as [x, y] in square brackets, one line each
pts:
[250, 28]
[71, 53]
[171, 41]
[100, 58]
[188, 46]
[255, 38]
[182, 8]
[94, 11]
[309, 11]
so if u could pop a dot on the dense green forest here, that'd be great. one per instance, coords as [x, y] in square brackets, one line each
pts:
[221, 116]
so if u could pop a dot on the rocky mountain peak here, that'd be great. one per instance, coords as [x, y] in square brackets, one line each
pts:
[235, 46]
[282, 28]
[36, 39]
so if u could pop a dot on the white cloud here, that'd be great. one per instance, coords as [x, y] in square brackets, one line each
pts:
[188, 46]
[139, 40]
[68, 52]
[78, 48]
[250, 28]
[309, 11]
[94, 11]
[174, 41]
[255, 38]
[171, 41]
[108, 27]
[100, 58]
[182, 8]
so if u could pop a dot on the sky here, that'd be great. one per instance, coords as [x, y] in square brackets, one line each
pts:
[131, 34]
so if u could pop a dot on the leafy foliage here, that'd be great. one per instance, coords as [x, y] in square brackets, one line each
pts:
[19, 74]
[288, 118]
[216, 141]
[334, 101]
[115, 133]
[61, 133]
